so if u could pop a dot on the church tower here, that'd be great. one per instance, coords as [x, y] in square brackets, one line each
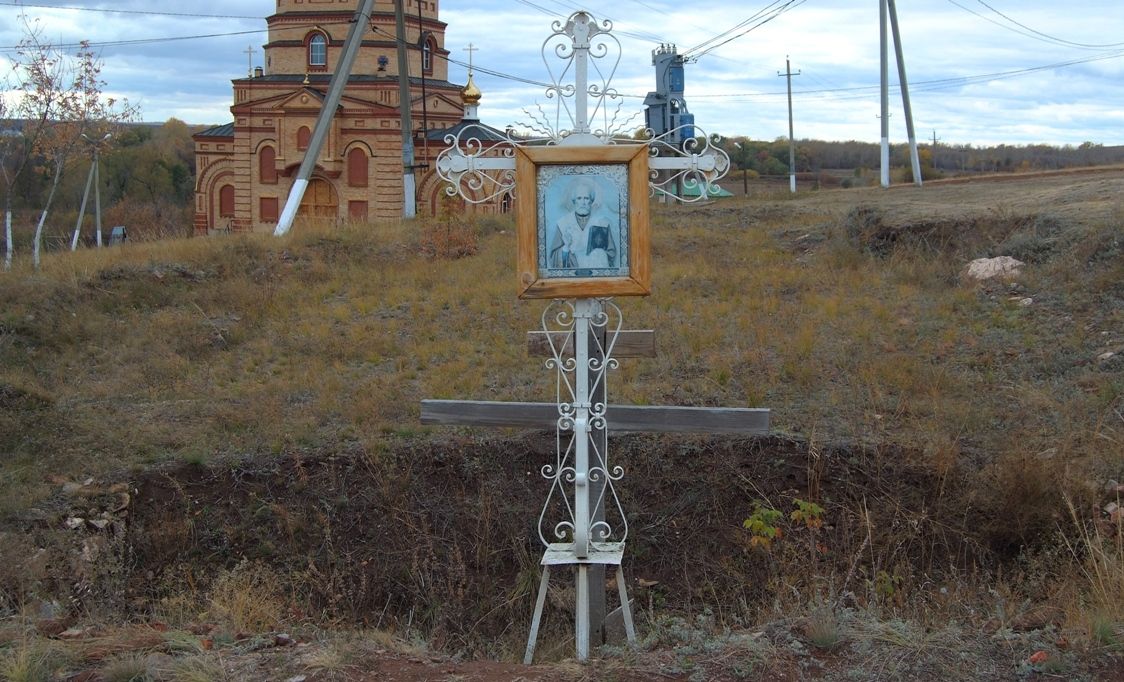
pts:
[244, 169]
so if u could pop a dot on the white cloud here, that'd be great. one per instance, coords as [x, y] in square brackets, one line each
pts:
[834, 45]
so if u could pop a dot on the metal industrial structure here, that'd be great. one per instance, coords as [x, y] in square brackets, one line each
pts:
[665, 109]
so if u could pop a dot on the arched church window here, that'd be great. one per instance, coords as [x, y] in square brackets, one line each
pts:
[357, 167]
[317, 50]
[226, 201]
[303, 135]
[428, 47]
[267, 165]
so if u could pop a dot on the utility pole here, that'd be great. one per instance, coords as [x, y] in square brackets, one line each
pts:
[94, 178]
[788, 74]
[888, 10]
[884, 64]
[934, 148]
[424, 52]
[903, 82]
[409, 208]
[327, 113]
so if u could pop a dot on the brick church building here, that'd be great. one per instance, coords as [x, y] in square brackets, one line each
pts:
[244, 169]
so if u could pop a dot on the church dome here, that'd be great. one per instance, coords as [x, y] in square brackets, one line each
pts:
[471, 94]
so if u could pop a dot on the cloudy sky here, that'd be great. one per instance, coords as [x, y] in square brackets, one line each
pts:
[980, 71]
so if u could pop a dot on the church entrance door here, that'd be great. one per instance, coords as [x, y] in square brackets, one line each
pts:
[320, 200]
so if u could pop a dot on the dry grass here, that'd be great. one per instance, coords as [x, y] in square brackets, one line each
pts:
[853, 326]
[1098, 548]
[247, 599]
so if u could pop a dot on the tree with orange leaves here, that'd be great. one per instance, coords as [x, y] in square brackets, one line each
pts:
[59, 99]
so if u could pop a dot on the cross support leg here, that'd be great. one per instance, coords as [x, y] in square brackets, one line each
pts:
[581, 617]
[626, 608]
[537, 619]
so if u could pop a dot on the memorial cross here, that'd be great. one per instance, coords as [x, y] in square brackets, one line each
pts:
[583, 334]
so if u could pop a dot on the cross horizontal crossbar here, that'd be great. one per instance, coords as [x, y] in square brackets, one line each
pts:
[630, 343]
[620, 418]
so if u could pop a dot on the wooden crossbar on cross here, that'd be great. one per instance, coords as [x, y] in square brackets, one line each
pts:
[618, 419]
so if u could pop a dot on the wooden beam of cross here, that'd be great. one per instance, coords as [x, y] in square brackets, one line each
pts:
[619, 419]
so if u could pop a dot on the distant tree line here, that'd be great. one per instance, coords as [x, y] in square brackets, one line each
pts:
[147, 182]
[55, 121]
[770, 158]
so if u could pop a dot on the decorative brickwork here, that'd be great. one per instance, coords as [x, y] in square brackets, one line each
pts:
[258, 153]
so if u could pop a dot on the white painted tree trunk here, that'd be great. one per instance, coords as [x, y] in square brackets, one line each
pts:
[35, 245]
[8, 239]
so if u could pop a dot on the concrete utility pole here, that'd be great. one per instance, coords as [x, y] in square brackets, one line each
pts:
[887, 10]
[327, 113]
[409, 208]
[934, 148]
[884, 63]
[788, 74]
[914, 157]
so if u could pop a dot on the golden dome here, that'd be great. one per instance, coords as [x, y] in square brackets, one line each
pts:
[471, 94]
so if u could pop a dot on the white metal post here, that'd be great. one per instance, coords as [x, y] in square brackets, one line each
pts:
[581, 72]
[582, 312]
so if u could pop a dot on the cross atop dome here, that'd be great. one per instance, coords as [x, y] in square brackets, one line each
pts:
[471, 94]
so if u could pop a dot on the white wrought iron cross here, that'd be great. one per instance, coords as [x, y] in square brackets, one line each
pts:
[587, 530]
[581, 55]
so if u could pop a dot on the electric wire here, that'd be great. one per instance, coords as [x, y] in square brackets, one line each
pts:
[1062, 41]
[1026, 31]
[131, 11]
[762, 16]
[861, 91]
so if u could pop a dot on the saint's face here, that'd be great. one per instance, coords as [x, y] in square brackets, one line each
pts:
[583, 202]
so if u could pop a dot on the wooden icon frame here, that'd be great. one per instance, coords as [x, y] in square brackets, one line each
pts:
[618, 174]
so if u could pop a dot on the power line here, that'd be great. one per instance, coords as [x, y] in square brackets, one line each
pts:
[1046, 35]
[131, 11]
[1027, 32]
[859, 91]
[140, 41]
[775, 13]
[741, 24]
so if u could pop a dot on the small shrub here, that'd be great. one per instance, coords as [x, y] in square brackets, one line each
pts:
[200, 668]
[128, 668]
[763, 525]
[247, 598]
[822, 628]
[147, 221]
[452, 234]
[1034, 242]
[32, 661]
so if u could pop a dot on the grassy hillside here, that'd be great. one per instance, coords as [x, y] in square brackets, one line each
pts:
[973, 411]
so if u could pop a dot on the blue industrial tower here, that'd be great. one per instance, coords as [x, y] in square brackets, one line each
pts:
[665, 109]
